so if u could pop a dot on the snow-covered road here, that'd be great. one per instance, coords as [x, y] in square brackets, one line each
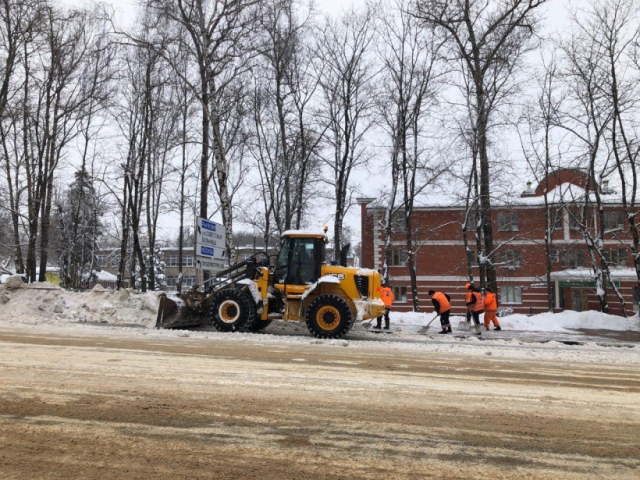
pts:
[111, 402]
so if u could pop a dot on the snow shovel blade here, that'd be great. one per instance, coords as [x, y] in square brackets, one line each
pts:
[172, 313]
[464, 326]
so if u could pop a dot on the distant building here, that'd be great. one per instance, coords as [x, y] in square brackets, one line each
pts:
[520, 259]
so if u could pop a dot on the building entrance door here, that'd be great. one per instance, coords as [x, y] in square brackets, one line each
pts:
[578, 299]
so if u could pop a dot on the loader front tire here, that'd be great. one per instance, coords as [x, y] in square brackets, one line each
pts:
[231, 310]
[329, 316]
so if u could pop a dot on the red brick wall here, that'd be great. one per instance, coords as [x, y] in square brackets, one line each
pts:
[366, 225]
[442, 260]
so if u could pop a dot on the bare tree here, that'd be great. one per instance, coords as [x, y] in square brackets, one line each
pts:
[348, 101]
[412, 66]
[489, 39]
[286, 136]
[612, 26]
[216, 41]
[586, 116]
[538, 122]
[18, 20]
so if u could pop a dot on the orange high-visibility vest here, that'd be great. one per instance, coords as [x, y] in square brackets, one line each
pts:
[442, 301]
[478, 306]
[387, 296]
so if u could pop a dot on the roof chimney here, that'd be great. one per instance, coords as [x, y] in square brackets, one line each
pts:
[528, 191]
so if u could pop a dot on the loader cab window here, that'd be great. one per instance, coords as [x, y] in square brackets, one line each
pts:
[282, 264]
[298, 261]
[302, 269]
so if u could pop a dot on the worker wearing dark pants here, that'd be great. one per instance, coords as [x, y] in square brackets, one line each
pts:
[387, 297]
[442, 305]
[474, 304]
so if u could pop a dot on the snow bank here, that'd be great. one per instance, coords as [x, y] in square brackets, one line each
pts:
[563, 322]
[45, 303]
[569, 320]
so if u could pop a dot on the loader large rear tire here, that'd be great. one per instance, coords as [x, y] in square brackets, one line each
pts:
[329, 316]
[231, 310]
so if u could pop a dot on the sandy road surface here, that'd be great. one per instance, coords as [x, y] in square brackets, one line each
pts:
[82, 406]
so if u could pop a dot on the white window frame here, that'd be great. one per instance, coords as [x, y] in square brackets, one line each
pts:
[400, 256]
[511, 295]
[400, 293]
[508, 222]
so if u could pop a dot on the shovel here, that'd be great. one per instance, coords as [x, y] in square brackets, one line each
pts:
[424, 329]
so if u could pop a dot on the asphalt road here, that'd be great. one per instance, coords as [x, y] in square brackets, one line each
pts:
[83, 406]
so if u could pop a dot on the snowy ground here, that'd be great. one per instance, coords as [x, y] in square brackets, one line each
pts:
[124, 314]
[88, 388]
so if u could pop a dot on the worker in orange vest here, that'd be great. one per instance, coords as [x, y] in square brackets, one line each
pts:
[490, 308]
[442, 305]
[387, 298]
[474, 304]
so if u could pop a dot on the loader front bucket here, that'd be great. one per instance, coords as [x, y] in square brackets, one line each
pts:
[173, 312]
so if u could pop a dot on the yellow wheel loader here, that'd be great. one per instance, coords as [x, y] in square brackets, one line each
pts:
[301, 286]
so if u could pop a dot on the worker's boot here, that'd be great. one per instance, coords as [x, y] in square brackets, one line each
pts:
[449, 329]
[378, 324]
[386, 324]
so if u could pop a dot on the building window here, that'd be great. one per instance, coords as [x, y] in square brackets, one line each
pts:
[555, 255]
[245, 256]
[613, 220]
[510, 258]
[472, 222]
[400, 294]
[187, 281]
[472, 257]
[510, 294]
[174, 260]
[508, 221]
[558, 219]
[398, 222]
[572, 258]
[102, 260]
[398, 258]
[616, 258]
[575, 219]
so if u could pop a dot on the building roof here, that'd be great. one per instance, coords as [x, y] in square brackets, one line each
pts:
[566, 186]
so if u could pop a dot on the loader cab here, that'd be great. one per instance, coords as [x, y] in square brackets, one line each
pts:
[300, 259]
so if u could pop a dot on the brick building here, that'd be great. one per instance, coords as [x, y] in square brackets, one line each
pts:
[520, 258]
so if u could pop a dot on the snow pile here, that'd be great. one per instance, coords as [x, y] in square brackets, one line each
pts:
[45, 303]
[563, 322]
[569, 320]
